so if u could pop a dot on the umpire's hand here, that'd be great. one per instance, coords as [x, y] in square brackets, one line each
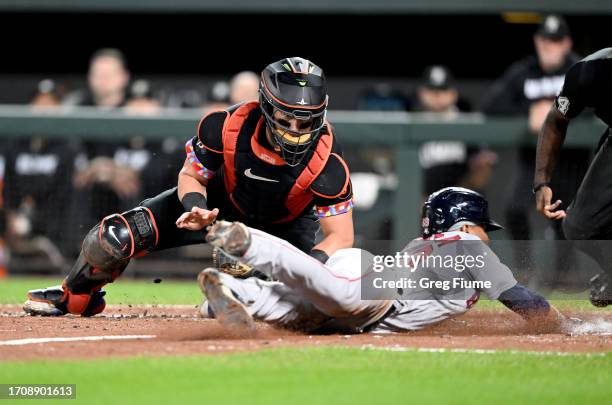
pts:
[544, 206]
[197, 219]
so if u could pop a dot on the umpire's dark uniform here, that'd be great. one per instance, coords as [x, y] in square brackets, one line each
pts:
[589, 84]
[589, 217]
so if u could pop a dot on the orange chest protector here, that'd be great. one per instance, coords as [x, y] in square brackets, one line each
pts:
[260, 185]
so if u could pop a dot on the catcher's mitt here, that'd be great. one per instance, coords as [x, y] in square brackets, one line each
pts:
[230, 266]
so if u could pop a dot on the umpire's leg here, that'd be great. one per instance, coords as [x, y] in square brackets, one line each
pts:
[589, 216]
[589, 220]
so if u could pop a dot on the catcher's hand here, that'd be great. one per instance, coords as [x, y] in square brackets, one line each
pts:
[197, 219]
[230, 266]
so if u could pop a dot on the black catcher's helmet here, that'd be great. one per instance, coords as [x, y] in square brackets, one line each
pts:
[450, 205]
[297, 88]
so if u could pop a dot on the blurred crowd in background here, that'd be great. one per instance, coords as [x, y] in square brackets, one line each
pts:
[105, 177]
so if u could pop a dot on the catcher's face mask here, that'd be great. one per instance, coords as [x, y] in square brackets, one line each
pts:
[293, 99]
[294, 133]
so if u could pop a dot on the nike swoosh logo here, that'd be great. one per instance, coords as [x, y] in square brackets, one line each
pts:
[112, 232]
[248, 173]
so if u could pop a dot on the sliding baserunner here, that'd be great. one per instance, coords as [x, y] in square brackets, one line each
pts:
[312, 296]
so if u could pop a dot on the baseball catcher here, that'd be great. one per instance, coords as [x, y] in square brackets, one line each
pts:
[273, 163]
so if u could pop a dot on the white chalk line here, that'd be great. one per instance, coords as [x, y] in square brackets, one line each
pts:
[478, 351]
[31, 341]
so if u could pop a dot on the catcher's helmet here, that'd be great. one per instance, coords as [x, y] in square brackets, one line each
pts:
[297, 88]
[450, 205]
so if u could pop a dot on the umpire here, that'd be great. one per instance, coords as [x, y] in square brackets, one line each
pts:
[588, 84]
[273, 164]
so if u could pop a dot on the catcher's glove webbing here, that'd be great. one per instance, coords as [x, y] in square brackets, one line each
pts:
[230, 266]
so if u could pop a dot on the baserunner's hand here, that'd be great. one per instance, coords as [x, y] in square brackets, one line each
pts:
[197, 219]
[544, 206]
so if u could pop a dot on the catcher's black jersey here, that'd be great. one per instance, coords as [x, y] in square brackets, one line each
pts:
[588, 83]
[331, 189]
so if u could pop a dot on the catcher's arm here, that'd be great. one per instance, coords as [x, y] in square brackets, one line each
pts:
[337, 233]
[192, 193]
[190, 182]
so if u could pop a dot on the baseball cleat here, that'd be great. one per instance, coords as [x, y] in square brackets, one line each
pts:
[600, 295]
[53, 301]
[226, 308]
[233, 237]
[46, 302]
[37, 308]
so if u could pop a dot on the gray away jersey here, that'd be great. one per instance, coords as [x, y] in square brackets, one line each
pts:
[453, 270]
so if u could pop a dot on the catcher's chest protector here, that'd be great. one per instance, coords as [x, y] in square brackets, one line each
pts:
[260, 185]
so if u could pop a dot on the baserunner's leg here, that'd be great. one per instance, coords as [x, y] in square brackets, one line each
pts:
[334, 288]
[275, 303]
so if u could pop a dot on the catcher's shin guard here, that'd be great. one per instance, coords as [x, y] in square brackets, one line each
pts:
[106, 252]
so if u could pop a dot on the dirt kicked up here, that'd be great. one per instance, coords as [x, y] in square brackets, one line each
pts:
[176, 330]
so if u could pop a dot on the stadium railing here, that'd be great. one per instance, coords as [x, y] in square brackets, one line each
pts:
[402, 133]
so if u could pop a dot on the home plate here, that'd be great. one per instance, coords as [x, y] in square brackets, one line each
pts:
[32, 341]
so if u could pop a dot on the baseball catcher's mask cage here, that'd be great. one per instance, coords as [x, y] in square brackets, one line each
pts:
[297, 88]
[450, 205]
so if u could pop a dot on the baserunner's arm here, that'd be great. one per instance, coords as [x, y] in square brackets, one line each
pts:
[534, 308]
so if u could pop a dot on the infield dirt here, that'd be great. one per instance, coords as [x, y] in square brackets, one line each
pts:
[178, 331]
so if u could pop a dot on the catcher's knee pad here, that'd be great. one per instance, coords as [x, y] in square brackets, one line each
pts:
[120, 237]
